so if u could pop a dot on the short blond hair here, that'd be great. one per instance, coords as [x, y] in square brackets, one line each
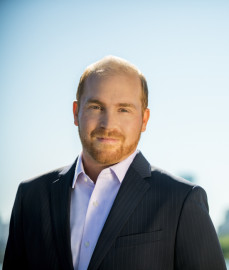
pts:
[111, 65]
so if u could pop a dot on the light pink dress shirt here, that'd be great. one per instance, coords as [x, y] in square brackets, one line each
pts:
[90, 206]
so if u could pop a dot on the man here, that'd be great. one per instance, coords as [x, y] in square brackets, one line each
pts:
[111, 209]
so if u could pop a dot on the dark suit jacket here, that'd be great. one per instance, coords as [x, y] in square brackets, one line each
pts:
[157, 222]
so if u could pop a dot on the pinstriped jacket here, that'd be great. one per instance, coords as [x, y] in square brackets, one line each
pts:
[157, 222]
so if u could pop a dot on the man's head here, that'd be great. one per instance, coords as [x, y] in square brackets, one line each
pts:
[112, 65]
[111, 110]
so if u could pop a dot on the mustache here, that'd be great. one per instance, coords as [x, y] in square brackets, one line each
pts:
[100, 132]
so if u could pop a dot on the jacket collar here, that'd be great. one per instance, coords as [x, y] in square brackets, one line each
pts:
[60, 211]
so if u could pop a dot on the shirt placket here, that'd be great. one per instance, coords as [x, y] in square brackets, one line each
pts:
[97, 209]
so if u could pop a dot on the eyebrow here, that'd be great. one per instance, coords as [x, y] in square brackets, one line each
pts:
[125, 104]
[92, 100]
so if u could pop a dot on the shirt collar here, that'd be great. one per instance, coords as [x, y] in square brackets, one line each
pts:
[119, 169]
[78, 170]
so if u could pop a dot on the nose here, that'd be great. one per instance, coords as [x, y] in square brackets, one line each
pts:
[108, 120]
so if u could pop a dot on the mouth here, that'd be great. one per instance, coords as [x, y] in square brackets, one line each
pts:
[107, 140]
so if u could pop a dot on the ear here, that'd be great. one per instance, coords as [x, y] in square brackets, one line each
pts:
[75, 112]
[145, 119]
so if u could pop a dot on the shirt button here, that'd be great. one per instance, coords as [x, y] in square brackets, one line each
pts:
[87, 244]
[95, 203]
[85, 179]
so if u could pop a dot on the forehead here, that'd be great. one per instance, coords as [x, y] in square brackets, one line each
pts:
[118, 86]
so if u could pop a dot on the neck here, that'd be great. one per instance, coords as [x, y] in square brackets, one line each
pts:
[92, 168]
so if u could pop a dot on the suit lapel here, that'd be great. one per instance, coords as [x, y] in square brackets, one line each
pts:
[60, 206]
[130, 194]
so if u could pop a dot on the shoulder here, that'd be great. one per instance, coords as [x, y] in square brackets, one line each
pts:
[147, 171]
[163, 182]
[176, 185]
[44, 181]
[44, 178]
[158, 174]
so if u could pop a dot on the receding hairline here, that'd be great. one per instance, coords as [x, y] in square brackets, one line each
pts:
[111, 65]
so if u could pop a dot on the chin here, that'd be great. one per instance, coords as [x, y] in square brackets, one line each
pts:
[106, 159]
[109, 157]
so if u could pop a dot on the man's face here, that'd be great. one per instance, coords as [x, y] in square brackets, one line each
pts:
[110, 118]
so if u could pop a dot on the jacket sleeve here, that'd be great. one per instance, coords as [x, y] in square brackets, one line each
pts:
[15, 253]
[197, 245]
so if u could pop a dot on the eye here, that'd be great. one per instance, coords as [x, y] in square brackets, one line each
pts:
[95, 107]
[123, 110]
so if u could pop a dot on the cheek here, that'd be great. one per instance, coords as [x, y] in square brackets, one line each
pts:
[87, 123]
[132, 127]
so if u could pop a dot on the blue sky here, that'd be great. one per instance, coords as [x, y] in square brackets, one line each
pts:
[180, 46]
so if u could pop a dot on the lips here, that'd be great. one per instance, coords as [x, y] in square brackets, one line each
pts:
[107, 140]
